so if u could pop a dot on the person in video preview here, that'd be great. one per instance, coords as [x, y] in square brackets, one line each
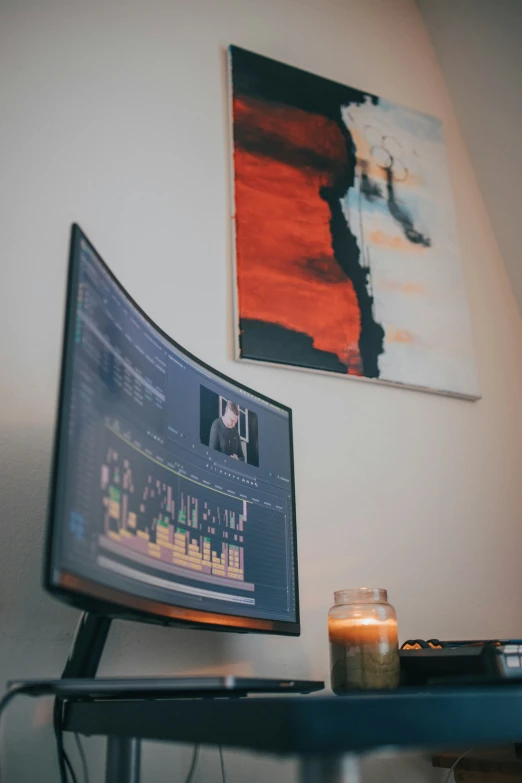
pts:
[224, 435]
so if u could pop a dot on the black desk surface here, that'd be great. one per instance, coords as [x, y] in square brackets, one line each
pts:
[316, 725]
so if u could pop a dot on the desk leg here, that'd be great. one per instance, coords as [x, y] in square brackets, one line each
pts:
[123, 760]
[329, 769]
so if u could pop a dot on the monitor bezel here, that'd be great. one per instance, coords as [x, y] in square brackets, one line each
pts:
[94, 596]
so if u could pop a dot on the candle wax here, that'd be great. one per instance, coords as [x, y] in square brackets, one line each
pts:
[364, 653]
[367, 630]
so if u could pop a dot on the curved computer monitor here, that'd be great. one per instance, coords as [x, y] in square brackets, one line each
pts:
[172, 494]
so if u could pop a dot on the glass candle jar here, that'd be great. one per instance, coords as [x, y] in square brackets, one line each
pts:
[364, 650]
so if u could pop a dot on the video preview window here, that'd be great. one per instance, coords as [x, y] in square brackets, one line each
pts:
[227, 426]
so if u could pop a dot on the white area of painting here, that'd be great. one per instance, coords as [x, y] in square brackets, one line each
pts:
[419, 295]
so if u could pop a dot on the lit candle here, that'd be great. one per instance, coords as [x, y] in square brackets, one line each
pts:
[364, 653]
[366, 630]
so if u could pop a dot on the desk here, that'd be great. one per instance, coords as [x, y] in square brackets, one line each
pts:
[325, 732]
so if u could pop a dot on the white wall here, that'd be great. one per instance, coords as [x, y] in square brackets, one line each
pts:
[478, 46]
[113, 114]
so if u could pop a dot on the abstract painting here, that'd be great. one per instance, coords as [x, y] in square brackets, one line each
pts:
[346, 250]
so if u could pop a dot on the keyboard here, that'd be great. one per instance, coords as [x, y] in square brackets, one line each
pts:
[435, 662]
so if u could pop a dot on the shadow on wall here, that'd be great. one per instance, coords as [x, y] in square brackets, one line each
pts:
[26, 616]
[35, 632]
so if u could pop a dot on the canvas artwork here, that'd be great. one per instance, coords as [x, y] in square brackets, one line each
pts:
[346, 250]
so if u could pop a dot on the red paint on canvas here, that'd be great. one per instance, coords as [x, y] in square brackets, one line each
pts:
[287, 273]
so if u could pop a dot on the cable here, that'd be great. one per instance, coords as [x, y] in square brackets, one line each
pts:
[222, 760]
[26, 689]
[454, 765]
[6, 698]
[193, 764]
[59, 740]
[70, 767]
[64, 762]
[85, 768]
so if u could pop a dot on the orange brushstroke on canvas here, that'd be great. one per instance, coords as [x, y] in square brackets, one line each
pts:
[399, 243]
[403, 288]
[399, 336]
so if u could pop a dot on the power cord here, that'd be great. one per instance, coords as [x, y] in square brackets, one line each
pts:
[26, 689]
[194, 762]
[456, 763]
[223, 775]
[64, 762]
[70, 767]
[193, 765]
[16, 690]
[83, 760]
[59, 742]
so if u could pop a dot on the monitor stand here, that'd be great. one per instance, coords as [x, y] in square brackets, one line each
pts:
[87, 647]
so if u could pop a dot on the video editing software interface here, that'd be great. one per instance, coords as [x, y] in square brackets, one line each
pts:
[173, 484]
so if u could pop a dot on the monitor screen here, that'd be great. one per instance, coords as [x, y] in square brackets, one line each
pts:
[172, 496]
